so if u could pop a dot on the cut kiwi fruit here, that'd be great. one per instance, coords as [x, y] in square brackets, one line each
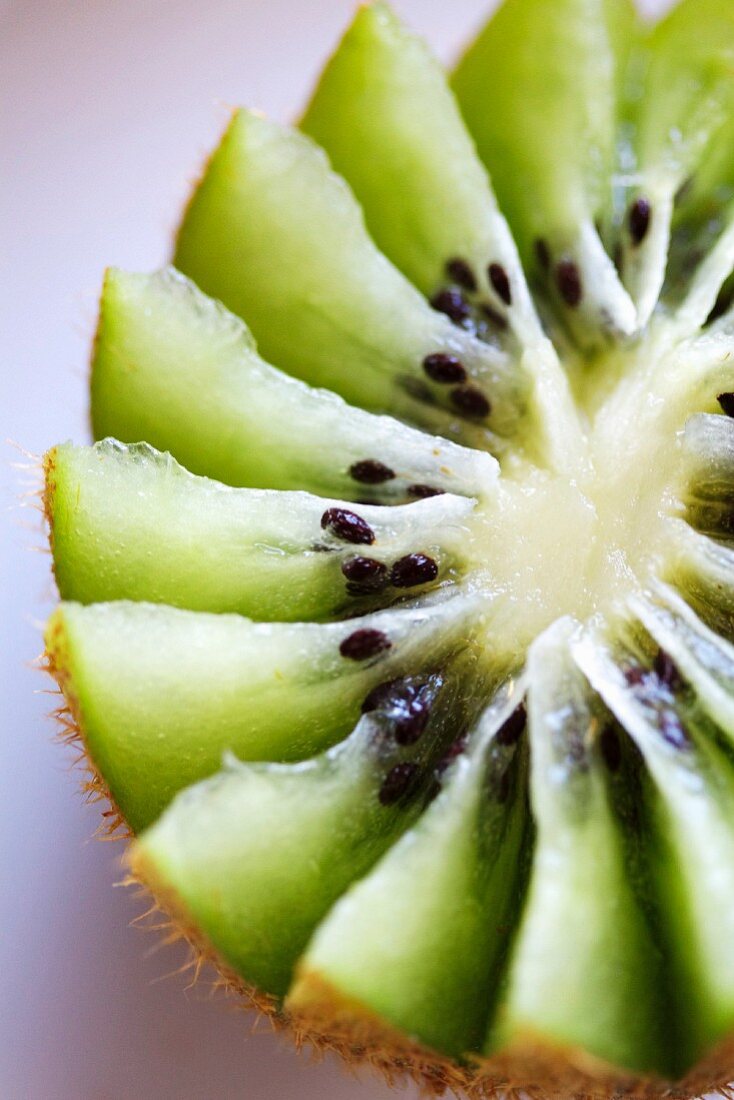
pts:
[397, 616]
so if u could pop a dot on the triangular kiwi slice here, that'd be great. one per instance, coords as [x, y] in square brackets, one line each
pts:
[679, 122]
[539, 91]
[397, 614]
[585, 972]
[150, 530]
[175, 368]
[419, 943]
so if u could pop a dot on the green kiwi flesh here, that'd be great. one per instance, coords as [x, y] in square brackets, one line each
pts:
[397, 592]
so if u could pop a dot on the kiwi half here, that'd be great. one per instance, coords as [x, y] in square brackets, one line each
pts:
[397, 617]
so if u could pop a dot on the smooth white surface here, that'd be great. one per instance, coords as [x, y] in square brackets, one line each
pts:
[108, 109]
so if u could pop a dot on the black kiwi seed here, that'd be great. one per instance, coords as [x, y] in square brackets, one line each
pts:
[511, 729]
[413, 569]
[638, 220]
[500, 282]
[494, 316]
[364, 575]
[470, 401]
[459, 270]
[397, 782]
[666, 670]
[380, 696]
[409, 711]
[443, 368]
[405, 703]
[347, 526]
[542, 253]
[726, 401]
[421, 492]
[369, 471]
[611, 748]
[364, 643]
[568, 281]
[452, 303]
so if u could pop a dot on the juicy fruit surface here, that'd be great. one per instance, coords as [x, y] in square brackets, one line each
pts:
[398, 592]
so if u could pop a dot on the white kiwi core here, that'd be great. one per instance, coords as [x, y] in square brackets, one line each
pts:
[576, 542]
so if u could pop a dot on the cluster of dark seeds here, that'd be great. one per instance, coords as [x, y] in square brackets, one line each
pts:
[460, 272]
[447, 370]
[638, 220]
[405, 703]
[459, 301]
[726, 403]
[398, 782]
[367, 575]
[364, 643]
[370, 471]
[347, 526]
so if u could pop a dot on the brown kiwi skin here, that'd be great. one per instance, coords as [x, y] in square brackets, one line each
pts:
[325, 1021]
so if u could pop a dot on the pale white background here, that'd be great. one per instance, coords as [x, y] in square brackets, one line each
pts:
[107, 108]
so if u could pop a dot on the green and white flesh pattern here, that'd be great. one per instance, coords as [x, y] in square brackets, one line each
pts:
[410, 657]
